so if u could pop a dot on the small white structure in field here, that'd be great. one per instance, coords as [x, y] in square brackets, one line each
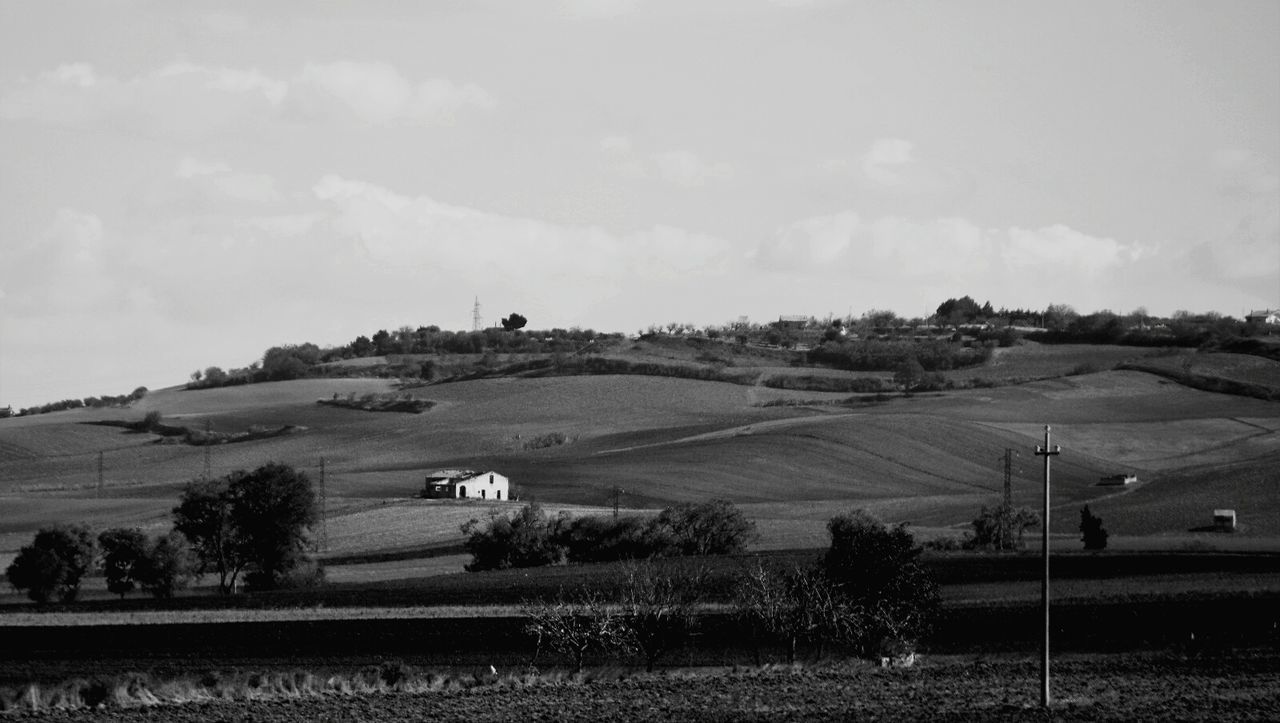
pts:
[451, 484]
[1224, 520]
[1119, 480]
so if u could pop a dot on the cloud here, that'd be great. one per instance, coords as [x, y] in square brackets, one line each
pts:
[846, 243]
[1240, 172]
[377, 93]
[184, 98]
[61, 268]
[585, 9]
[682, 168]
[218, 181]
[883, 162]
[406, 233]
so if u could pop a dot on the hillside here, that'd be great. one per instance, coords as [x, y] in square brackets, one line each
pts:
[931, 459]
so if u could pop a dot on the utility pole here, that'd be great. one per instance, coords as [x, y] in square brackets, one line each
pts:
[477, 323]
[208, 451]
[1005, 531]
[617, 495]
[324, 521]
[1046, 451]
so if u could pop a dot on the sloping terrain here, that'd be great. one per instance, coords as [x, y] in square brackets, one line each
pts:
[931, 459]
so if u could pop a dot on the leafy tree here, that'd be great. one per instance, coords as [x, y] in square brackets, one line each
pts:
[891, 598]
[257, 519]
[513, 322]
[575, 625]
[168, 566]
[1002, 527]
[526, 539]
[273, 508]
[716, 527]
[204, 516]
[1092, 533]
[124, 553]
[909, 373]
[53, 564]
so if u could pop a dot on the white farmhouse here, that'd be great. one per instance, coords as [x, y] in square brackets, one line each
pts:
[466, 484]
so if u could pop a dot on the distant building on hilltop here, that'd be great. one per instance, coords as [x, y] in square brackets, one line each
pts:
[1124, 478]
[792, 322]
[449, 484]
[1266, 316]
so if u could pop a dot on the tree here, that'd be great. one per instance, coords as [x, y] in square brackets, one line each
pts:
[1002, 527]
[716, 527]
[891, 598]
[658, 609]
[1092, 534]
[909, 373]
[273, 508]
[124, 553]
[789, 607]
[204, 517]
[513, 322]
[167, 567]
[53, 564]
[575, 625]
[526, 539]
[257, 520]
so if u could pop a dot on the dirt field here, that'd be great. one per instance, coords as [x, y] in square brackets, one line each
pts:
[1085, 688]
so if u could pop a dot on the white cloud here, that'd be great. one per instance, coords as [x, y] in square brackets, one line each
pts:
[597, 8]
[941, 248]
[184, 98]
[378, 93]
[682, 168]
[220, 181]
[413, 233]
[884, 161]
[63, 267]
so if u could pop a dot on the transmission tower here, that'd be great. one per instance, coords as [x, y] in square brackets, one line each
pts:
[477, 323]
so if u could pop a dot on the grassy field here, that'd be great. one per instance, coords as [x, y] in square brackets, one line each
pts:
[932, 460]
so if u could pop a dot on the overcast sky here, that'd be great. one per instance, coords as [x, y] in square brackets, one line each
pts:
[183, 184]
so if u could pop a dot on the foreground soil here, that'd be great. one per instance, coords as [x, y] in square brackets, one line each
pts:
[1130, 687]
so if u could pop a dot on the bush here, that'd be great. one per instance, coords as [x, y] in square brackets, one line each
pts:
[1092, 533]
[1002, 527]
[526, 539]
[717, 527]
[890, 597]
[124, 553]
[53, 564]
[596, 538]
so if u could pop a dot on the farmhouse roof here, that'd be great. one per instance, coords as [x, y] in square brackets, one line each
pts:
[453, 474]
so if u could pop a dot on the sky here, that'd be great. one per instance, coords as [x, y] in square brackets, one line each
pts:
[187, 184]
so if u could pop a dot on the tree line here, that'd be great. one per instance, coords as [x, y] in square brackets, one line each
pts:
[867, 593]
[106, 400]
[251, 523]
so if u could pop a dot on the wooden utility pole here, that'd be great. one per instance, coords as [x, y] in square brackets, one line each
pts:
[1046, 451]
[324, 521]
[208, 452]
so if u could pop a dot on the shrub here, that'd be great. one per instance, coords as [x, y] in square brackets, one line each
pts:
[526, 539]
[1092, 533]
[1002, 527]
[124, 553]
[53, 564]
[890, 597]
[716, 527]
[596, 538]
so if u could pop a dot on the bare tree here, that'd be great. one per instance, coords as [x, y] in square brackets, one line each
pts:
[574, 625]
[659, 609]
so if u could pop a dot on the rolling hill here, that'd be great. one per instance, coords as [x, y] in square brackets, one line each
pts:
[932, 460]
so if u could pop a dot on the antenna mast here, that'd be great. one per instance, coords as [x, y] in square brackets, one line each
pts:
[477, 324]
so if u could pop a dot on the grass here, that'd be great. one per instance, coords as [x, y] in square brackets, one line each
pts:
[932, 460]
